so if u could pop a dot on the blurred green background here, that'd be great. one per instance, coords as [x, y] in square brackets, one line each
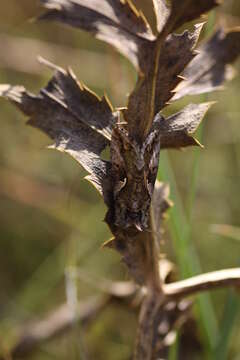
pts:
[50, 218]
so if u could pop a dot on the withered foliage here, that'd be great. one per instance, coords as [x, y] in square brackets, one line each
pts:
[169, 65]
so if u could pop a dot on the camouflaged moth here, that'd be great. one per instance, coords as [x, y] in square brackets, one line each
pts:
[134, 171]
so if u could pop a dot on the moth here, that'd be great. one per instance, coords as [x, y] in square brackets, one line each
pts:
[134, 171]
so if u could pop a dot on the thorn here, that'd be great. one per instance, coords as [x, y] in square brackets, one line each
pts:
[138, 226]
[197, 142]
[49, 64]
[109, 243]
[71, 74]
[179, 86]
[51, 147]
[196, 52]
[121, 108]
[106, 98]
[182, 77]
[122, 123]
[200, 25]
[86, 88]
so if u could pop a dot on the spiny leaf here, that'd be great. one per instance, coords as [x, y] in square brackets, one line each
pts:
[159, 75]
[180, 12]
[121, 12]
[176, 52]
[188, 10]
[115, 22]
[177, 130]
[210, 69]
[162, 12]
[78, 121]
[80, 101]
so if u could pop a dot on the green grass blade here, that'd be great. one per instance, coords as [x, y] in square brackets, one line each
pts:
[230, 313]
[187, 258]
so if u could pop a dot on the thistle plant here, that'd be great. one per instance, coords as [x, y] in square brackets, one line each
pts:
[170, 66]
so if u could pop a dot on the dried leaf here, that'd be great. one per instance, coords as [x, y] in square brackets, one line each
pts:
[176, 53]
[187, 10]
[162, 12]
[78, 121]
[115, 22]
[133, 37]
[210, 69]
[80, 101]
[177, 130]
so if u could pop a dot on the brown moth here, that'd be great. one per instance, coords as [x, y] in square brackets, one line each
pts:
[134, 171]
